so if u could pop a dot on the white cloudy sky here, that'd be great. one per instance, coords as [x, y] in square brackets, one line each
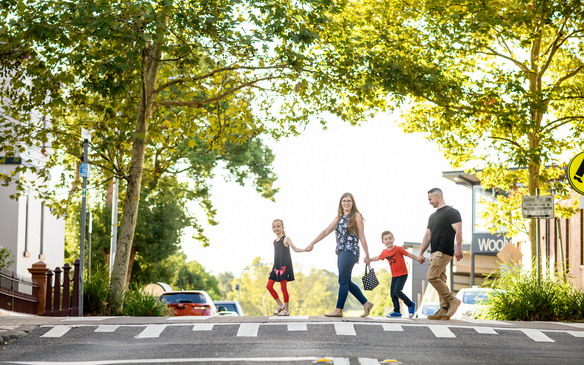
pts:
[388, 172]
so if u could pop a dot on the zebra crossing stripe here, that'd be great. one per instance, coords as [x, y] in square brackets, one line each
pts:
[152, 331]
[367, 361]
[536, 335]
[106, 328]
[248, 330]
[576, 333]
[297, 326]
[486, 330]
[345, 329]
[392, 327]
[441, 331]
[57, 331]
[203, 327]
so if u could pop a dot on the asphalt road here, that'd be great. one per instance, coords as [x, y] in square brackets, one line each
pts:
[287, 340]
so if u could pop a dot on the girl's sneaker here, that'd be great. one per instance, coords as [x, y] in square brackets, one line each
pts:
[394, 315]
[278, 310]
[283, 313]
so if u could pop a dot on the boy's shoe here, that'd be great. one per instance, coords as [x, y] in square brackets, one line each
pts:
[394, 315]
[412, 309]
[440, 314]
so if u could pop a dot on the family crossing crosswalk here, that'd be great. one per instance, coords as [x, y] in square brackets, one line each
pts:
[340, 328]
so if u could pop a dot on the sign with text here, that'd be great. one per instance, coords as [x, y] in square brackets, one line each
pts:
[538, 206]
[488, 243]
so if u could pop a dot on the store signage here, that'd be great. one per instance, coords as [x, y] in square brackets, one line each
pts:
[488, 243]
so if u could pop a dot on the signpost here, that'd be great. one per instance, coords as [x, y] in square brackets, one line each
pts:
[538, 206]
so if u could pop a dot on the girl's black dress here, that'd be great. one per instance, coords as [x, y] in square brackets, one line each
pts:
[282, 269]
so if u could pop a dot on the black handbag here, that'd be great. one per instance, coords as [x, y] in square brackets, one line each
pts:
[369, 279]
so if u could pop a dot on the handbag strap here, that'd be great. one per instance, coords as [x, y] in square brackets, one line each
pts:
[367, 267]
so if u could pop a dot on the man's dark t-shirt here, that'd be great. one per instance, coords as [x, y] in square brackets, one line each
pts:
[440, 225]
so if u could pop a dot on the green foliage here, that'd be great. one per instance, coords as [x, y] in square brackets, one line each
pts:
[6, 258]
[521, 298]
[139, 304]
[96, 294]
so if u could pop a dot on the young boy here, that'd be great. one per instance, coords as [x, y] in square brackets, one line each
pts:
[399, 272]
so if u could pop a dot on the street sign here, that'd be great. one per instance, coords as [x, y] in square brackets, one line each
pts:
[538, 206]
[84, 170]
[575, 173]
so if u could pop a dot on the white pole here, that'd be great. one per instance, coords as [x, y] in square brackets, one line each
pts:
[114, 239]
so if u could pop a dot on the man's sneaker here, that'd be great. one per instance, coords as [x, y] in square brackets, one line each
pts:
[440, 314]
[412, 309]
[394, 315]
[453, 305]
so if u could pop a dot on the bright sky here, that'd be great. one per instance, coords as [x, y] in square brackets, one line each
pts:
[388, 172]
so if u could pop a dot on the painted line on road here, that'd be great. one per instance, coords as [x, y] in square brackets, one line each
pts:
[536, 335]
[151, 331]
[345, 329]
[106, 328]
[367, 361]
[441, 331]
[393, 327]
[57, 331]
[484, 321]
[297, 326]
[486, 330]
[203, 327]
[290, 317]
[73, 319]
[197, 318]
[248, 330]
[576, 333]
[341, 361]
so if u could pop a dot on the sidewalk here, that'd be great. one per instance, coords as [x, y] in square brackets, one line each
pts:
[14, 325]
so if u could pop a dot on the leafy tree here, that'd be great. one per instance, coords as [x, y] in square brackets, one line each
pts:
[157, 74]
[497, 85]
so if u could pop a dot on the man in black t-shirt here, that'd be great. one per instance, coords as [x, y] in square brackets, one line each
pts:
[444, 228]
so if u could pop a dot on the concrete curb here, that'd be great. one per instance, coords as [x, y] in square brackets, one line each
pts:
[10, 334]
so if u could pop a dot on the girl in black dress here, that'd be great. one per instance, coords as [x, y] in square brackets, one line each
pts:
[282, 272]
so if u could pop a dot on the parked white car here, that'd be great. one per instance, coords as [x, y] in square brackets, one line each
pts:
[426, 309]
[474, 301]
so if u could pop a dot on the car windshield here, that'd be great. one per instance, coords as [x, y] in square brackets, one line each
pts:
[475, 297]
[229, 306]
[174, 298]
[430, 309]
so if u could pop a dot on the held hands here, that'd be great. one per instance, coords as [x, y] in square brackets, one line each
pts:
[309, 247]
[421, 259]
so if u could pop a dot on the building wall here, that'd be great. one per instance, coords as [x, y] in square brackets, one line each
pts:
[29, 230]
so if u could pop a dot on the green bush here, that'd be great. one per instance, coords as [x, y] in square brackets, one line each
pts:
[521, 298]
[139, 304]
[97, 299]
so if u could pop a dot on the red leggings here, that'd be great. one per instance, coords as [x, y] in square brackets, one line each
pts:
[272, 291]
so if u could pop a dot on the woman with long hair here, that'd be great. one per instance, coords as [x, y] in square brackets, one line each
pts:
[349, 229]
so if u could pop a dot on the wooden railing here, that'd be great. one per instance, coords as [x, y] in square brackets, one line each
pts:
[45, 295]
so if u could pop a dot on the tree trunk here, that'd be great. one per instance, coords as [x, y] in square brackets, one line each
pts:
[150, 66]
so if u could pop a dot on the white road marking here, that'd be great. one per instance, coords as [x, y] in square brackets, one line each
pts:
[196, 318]
[73, 319]
[484, 321]
[392, 327]
[368, 361]
[441, 331]
[297, 326]
[341, 361]
[57, 331]
[152, 331]
[248, 330]
[345, 329]
[536, 335]
[486, 330]
[304, 318]
[203, 326]
[576, 333]
[106, 328]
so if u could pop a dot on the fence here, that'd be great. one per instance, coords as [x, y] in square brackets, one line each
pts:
[46, 294]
